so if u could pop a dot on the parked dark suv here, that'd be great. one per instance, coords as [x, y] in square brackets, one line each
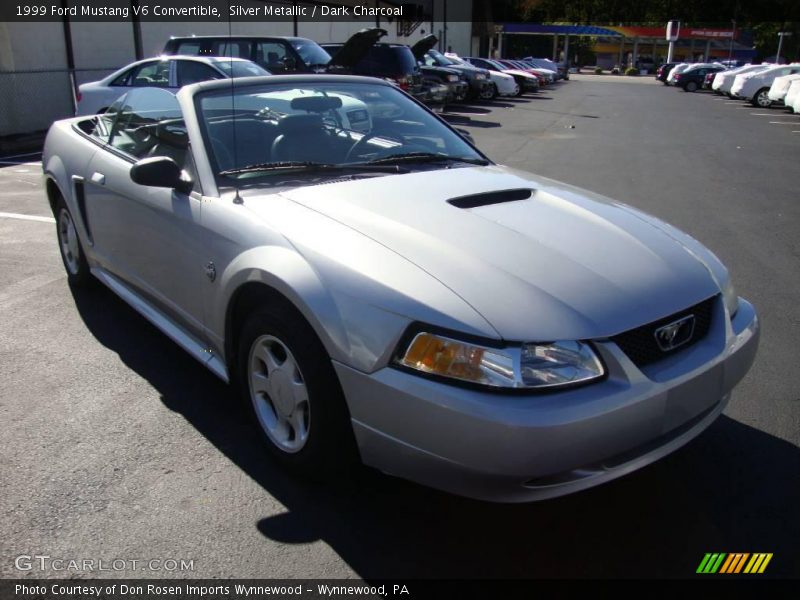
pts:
[394, 62]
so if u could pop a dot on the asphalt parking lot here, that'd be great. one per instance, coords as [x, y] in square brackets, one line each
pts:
[118, 445]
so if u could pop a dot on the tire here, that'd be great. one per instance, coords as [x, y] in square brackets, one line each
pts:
[760, 99]
[690, 86]
[488, 93]
[287, 382]
[519, 93]
[69, 244]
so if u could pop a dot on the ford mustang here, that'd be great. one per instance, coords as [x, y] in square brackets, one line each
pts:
[378, 290]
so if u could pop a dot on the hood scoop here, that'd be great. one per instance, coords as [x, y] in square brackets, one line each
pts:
[487, 198]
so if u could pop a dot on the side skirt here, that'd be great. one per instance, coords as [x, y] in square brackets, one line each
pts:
[164, 324]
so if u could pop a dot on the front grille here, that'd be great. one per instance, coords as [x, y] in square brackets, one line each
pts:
[640, 344]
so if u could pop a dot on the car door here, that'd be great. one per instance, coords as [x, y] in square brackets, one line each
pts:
[149, 238]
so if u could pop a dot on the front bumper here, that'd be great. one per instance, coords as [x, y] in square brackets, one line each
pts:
[519, 448]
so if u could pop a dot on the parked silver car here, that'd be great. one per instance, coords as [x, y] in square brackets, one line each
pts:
[168, 72]
[378, 289]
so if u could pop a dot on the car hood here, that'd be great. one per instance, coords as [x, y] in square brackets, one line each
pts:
[356, 47]
[469, 70]
[564, 263]
[521, 73]
[422, 46]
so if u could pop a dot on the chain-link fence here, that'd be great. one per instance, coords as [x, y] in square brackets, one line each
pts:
[31, 100]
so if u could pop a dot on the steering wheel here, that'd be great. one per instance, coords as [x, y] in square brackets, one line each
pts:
[358, 147]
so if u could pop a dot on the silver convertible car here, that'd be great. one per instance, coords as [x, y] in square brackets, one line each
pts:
[376, 289]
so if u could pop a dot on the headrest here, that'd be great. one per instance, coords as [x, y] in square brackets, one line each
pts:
[294, 123]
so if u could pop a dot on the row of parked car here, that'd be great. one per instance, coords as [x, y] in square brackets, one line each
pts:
[430, 76]
[763, 85]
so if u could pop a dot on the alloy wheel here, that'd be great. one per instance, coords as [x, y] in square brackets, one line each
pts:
[68, 241]
[279, 394]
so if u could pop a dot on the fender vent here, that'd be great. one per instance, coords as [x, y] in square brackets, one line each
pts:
[488, 198]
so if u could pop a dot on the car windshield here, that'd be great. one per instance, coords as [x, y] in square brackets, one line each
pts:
[311, 52]
[441, 59]
[240, 68]
[260, 132]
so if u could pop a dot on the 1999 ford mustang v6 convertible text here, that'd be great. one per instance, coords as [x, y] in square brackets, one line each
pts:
[377, 289]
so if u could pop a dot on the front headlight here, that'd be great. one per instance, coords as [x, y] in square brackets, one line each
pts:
[529, 366]
[730, 297]
[480, 76]
[452, 78]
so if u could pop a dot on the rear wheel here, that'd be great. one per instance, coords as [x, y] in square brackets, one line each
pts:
[690, 86]
[289, 386]
[761, 98]
[69, 244]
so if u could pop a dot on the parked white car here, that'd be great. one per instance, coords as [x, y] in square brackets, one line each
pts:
[755, 86]
[527, 82]
[780, 86]
[792, 99]
[171, 72]
[505, 84]
[723, 81]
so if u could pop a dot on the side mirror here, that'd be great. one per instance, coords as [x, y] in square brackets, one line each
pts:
[160, 171]
[465, 134]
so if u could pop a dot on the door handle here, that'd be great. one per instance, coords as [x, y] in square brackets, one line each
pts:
[98, 178]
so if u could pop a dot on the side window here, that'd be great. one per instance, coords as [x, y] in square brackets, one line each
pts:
[189, 48]
[190, 71]
[272, 56]
[237, 49]
[150, 123]
[123, 79]
[154, 74]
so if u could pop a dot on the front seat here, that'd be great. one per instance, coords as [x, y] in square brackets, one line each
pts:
[303, 137]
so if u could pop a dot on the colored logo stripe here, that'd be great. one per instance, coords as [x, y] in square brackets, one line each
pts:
[711, 563]
[734, 563]
[758, 563]
[721, 562]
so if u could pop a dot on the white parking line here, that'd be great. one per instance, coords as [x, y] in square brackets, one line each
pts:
[16, 162]
[5, 215]
[763, 114]
[783, 122]
[20, 155]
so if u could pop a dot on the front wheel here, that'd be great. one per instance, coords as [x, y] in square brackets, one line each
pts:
[691, 86]
[293, 395]
[489, 92]
[761, 98]
[69, 244]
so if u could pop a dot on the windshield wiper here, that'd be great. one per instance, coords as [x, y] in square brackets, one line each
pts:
[305, 165]
[426, 157]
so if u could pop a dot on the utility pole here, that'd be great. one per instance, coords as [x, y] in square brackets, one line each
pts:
[781, 35]
[733, 35]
